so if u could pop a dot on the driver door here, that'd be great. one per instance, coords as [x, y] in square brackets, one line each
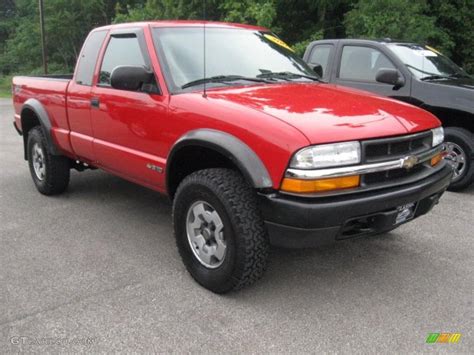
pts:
[128, 125]
[358, 66]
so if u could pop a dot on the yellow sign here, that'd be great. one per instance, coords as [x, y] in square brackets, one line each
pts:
[443, 338]
[433, 50]
[277, 41]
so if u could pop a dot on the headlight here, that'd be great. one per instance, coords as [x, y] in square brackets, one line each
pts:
[438, 136]
[327, 155]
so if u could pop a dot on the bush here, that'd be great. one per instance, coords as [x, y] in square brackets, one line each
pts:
[5, 86]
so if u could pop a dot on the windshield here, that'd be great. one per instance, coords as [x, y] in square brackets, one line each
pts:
[424, 62]
[230, 53]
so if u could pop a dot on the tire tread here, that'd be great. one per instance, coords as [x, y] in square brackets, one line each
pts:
[465, 139]
[58, 166]
[231, 188]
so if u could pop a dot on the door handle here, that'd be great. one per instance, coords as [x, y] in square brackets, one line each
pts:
[95, 102]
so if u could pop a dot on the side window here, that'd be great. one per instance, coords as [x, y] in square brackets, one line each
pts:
[88, 59]
[320, 55]
[362, 63]
[121, 50]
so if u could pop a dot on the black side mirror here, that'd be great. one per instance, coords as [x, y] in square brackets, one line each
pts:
[130, 78]
[390, 76]
[318, 69]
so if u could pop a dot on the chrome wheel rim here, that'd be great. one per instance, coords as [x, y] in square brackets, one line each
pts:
[456, 157]
[39, 165]
[205, 231]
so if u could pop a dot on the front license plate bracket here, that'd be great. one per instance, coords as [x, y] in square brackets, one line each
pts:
[405, 213]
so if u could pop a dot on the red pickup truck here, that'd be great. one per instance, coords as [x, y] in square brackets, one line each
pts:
[251, 146]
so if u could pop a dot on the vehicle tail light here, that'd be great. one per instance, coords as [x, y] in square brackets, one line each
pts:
[320, 185]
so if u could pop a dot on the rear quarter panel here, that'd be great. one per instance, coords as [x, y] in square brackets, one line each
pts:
[51, 93]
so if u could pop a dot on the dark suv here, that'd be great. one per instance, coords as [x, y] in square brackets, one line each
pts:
[417, 74]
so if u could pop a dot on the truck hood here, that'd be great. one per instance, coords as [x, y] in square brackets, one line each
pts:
[451, 94]
[465, 83]
[330, 113]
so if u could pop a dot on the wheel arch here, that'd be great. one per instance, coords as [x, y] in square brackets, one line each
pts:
[32, 114]
[453, 118]
[219, 145]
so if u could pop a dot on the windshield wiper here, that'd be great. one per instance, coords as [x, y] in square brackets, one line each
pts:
[221, 79]
[435, 77]
[286, 75]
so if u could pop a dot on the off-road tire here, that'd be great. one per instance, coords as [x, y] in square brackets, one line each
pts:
[244, 231]
[464, 139]
[57, 168]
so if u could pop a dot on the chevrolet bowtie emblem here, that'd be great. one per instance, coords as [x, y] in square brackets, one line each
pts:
[409, 162]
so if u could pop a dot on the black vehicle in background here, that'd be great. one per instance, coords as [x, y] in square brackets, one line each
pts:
[419, 75]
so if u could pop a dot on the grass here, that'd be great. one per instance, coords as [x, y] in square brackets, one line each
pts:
[5, 86]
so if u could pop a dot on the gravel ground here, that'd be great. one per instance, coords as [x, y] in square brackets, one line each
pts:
[96, 269]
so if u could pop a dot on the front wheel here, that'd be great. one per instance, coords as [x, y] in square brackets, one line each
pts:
[219, 232]
[459, 149]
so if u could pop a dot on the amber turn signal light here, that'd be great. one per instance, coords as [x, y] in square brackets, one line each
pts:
[436, 159]
[321, 185]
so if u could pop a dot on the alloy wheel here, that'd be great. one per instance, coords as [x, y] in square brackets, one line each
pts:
[205, 231]
[39, 164]
[456, 157]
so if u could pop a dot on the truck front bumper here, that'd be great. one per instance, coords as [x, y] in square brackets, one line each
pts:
[308, 222]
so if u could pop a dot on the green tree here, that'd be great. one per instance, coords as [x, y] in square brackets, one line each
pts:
[67, 23]
[21, 49]
[303, 21]
[159, 10]
[440, 23]
[456, 18]
[256, 12]
[397, 19]
[7, 13]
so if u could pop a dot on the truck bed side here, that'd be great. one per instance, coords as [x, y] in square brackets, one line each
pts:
[49, 95]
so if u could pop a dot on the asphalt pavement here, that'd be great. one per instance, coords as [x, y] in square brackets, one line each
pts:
[96, 270]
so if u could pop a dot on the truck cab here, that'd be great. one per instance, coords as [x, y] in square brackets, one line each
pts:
[409, 72]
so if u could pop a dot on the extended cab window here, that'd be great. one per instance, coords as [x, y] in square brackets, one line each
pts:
[86, 65]
[320, 55]
[362, 63]
[121, 50]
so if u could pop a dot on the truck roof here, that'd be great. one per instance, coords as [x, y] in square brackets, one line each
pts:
[364, 40]
[182, 23]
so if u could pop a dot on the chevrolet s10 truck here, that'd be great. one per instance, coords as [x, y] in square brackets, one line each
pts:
[249, 144]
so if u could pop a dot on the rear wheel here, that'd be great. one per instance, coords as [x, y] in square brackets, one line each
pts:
[219, 232]
[459, 147]
[50, 173]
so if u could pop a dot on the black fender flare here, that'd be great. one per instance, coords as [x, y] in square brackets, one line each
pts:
[451, 117]
[37, 108]
[246, 160]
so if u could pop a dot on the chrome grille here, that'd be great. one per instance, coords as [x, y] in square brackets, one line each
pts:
[379, 150]
[397, 147]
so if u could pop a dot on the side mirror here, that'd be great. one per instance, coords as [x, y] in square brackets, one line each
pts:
[390, 76]
[318, 69]
[130, 78]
